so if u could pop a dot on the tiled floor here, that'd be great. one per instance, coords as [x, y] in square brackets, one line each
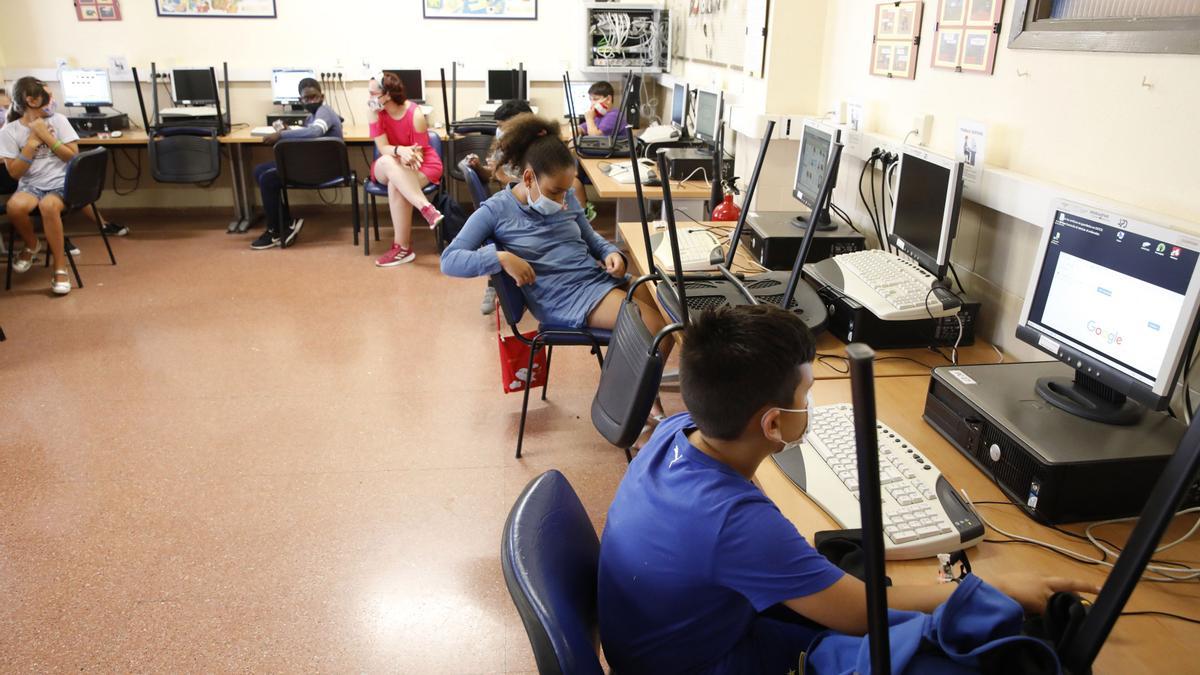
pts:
[216, 459]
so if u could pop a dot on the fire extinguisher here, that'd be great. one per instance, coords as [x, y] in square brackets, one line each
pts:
[727, 210]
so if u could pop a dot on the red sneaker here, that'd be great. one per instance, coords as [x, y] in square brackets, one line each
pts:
[396, 255]
[432, 215]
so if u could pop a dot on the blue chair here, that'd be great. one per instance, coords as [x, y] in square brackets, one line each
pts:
[512, 303]
[475, 186]
[550, 556]
[373, 189]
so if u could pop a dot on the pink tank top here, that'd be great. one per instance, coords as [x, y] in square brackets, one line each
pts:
[401, 132]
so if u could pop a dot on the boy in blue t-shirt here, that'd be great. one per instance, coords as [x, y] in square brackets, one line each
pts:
[699, 571]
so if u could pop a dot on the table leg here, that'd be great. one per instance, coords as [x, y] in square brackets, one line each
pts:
[235, 168]
[248, 217]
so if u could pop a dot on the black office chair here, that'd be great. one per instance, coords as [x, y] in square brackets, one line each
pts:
[475, 187]
[314, 164]
[512, 303]
[82, 187]
[471, 144]
[550, 556]
[184, 154]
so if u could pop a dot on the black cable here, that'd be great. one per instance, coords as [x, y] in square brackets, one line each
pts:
[135, 179]
[862, 195]
[875, 208]
[1152, 612]
[956, 279]
[844, 216]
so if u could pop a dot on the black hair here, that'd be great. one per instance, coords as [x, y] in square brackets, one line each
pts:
[534, 141]
[735, 360]
[601, 88]
[27, 87]
[510, 109]
[306, 83]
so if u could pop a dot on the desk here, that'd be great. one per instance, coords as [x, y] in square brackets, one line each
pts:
[889, 362]
[626, 194]
[1137, 644]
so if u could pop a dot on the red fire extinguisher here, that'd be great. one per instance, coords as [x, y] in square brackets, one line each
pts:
[727, 210]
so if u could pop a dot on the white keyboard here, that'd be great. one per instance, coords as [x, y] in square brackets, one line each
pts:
[923, 515]
[622, 172]
[695, 249]
[262, 131]
[893, 288]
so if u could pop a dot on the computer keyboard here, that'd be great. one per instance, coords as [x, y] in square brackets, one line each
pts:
[923, 514]
[695, 250]
[891, 287]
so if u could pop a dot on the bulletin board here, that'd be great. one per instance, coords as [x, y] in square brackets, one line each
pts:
[967, 35]
[897, 33]
[709, 30]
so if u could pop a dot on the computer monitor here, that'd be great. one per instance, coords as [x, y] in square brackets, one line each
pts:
[414, 83]
[86, 87]
[1116, 299]
[708, 116]
[679, 107]
[285, 84]
[193, 86]
[925, 215]
[813, 164]
[580, 100]
[504, 85]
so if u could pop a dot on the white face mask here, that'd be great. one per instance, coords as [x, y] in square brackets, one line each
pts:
[808, 405]
[374, 105]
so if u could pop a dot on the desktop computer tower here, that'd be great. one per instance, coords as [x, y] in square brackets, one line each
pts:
[852, 322]
[774, 241]
[291, 119]
[90, 125]
[1057, 467]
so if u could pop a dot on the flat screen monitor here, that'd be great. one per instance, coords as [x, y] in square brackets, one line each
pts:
[813, 164]
[579, 98]
[285, 84]
[504, 85]
[87, 87]
[1116, 299]
[925, 215]
[193, 86]
[679, 107]
[414, 83]
[708, 115]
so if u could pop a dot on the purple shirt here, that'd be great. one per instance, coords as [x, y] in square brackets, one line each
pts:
[608, 121]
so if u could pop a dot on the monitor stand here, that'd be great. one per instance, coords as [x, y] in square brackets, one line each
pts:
[824, 222]
[91, 111]
[1089, 398]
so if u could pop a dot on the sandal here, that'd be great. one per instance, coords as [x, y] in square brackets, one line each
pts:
[60, 287]
[22, 264]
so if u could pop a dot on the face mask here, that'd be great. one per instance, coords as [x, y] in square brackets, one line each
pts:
[544, 205]
[374, 105]
[312, 108]
[600, 108]
[808, 405]
[51, 108]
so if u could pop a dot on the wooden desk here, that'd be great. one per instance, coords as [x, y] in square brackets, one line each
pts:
[1137, 645]
[128, 137]
[607, 188]
[889, 362]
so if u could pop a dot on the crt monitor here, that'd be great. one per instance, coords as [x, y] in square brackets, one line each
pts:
[504, 85]
[813, 164]
[1116, 299]
[285, 84]
[679, 107]
[925, 214]
[86, 87]
[414, 83]
[708, 116]
[193, 86]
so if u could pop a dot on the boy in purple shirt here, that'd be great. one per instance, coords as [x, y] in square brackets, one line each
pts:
[601, 116]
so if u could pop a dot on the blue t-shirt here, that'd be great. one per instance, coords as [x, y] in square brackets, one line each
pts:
[692, 554]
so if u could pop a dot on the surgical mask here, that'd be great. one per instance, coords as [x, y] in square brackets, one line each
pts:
[374, 105]
[808, 405]
[544, 205]
[312, 108]
[51, 108]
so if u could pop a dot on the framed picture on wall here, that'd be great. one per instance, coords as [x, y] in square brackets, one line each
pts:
[882, 63]
[968, 45]
[948, 49]
[886, 25]
[480, 9]
[984, 12]
[953, 12]
[897, 34]
[978, 50]
[217, 9]
[98, 10]
[906, 19]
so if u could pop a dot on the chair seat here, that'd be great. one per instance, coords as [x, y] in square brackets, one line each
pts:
[336, 182]
[380, 190]
[572, 336]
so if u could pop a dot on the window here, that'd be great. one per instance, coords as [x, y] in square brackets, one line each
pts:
[1149, 26]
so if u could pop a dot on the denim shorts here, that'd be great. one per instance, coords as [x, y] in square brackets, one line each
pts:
[39, 194]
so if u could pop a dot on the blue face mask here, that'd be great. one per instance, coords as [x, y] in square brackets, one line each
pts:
[544, 205]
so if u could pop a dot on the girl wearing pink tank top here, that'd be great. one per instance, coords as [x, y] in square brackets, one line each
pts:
[407, 163]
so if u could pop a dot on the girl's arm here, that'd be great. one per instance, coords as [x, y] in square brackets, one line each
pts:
[467, 256]
[598, 246]
[17, 166]
[381, 144]
[65, 151]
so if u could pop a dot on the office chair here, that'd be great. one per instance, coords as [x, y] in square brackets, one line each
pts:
[475, 186]
[373, 189]
[512, 303]
[184, 154]
[470, 144]
[82, 187]
[550, 556]
[314, 164]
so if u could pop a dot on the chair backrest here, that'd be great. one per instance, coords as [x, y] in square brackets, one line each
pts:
[550, 555]
[312, 162]
[470, 144]
[84, 182]
[435, 142]
[633, 369]
[184, 155]
[512, 300]
[479, 192]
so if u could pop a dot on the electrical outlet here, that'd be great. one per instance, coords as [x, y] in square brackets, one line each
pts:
[923, 125]
[118, 64]
[60, 62]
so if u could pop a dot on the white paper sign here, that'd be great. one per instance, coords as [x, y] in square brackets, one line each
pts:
[856, 125]
[970, 147]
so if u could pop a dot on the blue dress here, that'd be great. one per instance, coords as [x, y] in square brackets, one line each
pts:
[563, 250]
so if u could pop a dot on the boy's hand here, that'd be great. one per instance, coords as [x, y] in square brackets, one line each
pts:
[473, 160]
[1032, 591]
[518, 269]
[590, 114]
[614, 264]
[272, 139]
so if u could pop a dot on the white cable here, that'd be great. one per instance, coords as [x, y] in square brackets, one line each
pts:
[698, 169]
[954, 349]
[1195, 526]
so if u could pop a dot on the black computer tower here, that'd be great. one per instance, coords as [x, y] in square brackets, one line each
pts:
[852, 322]
[774, 241]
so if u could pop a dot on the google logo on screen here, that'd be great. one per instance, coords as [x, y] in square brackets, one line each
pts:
[1113, 338]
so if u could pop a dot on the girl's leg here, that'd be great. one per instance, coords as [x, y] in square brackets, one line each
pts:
[51, 208]
[404, 193]
[20, 205]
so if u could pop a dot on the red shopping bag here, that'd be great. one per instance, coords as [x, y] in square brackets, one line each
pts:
[514, 362]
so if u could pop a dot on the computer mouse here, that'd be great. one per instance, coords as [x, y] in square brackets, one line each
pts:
[116, 134]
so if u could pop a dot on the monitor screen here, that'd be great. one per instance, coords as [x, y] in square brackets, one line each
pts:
[85, 86]
[579, 98]
[679, 106]
[1116, 293]
[193, 86]
[708, 115]
[285, 83]
[925, 215]
[503, 85]
[813, 164]
[414, 83]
